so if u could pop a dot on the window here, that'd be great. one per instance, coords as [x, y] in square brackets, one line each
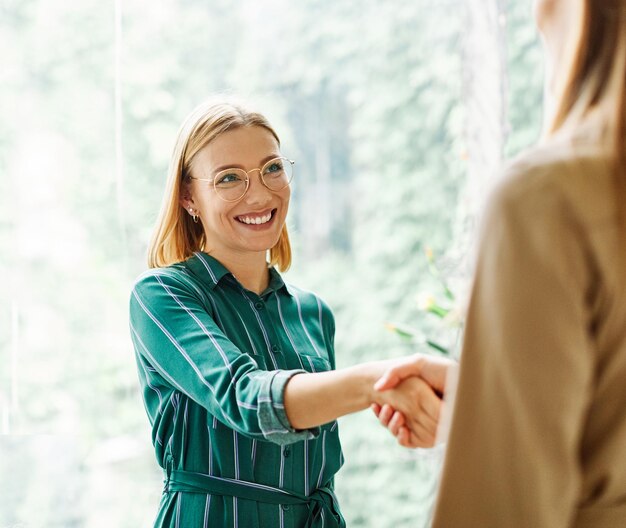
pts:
[397, 113]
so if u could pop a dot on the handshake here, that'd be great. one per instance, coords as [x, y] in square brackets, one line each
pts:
[408, 397]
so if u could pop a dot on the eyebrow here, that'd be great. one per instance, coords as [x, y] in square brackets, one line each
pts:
[237, 166]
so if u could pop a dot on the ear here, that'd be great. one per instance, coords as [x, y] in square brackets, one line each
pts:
[186, 197]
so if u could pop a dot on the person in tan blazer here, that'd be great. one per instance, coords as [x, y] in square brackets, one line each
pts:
[538, 431]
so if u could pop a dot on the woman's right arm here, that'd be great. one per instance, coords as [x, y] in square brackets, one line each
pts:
[173, 332]
[313, 399]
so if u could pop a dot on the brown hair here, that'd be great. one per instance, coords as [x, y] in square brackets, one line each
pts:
[595, 81]
[176, 237]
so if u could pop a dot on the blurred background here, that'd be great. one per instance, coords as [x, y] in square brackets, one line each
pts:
[398, 114]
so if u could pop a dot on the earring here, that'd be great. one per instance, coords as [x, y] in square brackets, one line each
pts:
[195, 217]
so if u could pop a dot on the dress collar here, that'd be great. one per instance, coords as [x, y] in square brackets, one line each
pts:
[212, 271]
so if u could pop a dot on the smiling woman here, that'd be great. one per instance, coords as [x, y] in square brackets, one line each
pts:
[242, 216]
[236, 366]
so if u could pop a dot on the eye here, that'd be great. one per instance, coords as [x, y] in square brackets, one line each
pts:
[274, 166]
[227, 178]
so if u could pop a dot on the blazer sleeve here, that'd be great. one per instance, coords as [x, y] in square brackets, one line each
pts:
[173, 332]
[513, 453]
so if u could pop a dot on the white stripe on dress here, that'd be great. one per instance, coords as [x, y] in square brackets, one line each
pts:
[220, 324]
[179, 497]
[319, 313]
[176, 344]
[265, 336]
[304, 326]
[164, 373]
[281, 481]
[306, 467]
[210, 451]
[200, 324]
[207, 507]
[206, 265]
[155, 389]
[319, 479]
[282, 320]
[236, 453]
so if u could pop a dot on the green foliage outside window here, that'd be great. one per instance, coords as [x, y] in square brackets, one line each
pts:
[368, 97]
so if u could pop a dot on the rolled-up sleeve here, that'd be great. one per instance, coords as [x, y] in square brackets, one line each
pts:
[174, 333]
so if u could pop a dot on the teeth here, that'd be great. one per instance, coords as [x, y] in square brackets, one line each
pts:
[258, 220]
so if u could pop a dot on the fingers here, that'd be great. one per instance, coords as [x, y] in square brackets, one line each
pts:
[421, 436]
[404, 437]
[385, 415]
[418, 409]
[397, 421]
[430, 403]
[389, 418]
[424, 421]
[407, 438]
[411, 410]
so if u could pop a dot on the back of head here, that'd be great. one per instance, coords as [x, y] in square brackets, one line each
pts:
[176, 236]
[592, 94]
[593, 88]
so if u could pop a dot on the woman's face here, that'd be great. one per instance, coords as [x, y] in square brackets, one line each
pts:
[231, 227]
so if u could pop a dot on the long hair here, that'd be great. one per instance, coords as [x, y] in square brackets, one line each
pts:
[594, 82]
[176, 236]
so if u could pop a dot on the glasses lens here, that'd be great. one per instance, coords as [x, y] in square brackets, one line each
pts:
[277, 173]
[230, 184]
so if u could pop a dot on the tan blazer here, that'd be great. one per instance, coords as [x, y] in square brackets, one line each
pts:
[538, 435]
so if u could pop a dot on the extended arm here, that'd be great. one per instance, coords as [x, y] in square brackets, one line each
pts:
[312, 399]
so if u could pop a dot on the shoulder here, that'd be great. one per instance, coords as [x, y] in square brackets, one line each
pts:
[159, 279]
[556, 178]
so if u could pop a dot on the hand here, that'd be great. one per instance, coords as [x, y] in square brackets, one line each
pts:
[432, 369]
[395, 422]
[411, 412]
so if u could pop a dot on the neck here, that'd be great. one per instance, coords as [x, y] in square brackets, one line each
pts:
[250, 269]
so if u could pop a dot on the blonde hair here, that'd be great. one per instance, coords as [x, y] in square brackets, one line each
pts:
[595, 82]
[176, 236]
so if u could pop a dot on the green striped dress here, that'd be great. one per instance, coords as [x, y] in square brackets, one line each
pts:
[213, 360]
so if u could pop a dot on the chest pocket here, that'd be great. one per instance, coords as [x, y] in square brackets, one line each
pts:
[314, 363]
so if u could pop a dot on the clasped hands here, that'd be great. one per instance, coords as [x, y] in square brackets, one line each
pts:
[408, 398]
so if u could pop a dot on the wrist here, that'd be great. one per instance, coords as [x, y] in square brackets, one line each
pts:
[367, 375]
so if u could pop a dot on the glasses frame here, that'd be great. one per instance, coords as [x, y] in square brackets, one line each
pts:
[247, 173]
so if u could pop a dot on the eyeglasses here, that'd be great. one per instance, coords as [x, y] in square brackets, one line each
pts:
[232, 184]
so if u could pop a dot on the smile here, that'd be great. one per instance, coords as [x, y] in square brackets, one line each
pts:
[256, 219]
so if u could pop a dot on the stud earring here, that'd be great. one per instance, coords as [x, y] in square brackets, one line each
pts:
[194, 216]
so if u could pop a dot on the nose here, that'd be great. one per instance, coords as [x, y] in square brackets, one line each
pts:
[257, 193]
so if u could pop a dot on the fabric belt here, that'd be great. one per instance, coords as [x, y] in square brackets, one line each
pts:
[321, 503]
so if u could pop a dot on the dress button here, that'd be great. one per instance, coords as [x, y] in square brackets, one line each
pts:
[285, 507]
[287, 452]
[259, 305]
[275, 348]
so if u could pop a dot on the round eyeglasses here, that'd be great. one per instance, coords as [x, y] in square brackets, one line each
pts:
[232, 184]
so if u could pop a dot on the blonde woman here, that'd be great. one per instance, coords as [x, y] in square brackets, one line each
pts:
[538, 430]
[236, 366]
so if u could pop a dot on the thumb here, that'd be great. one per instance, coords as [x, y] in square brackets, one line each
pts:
[405, 368]
[388, 381]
